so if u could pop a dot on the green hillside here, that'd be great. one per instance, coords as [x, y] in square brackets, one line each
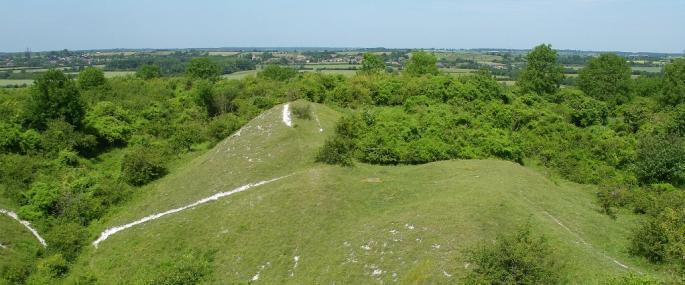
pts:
[331, 225]
[17, 247]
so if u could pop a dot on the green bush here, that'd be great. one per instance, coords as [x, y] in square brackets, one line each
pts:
[91, 77]
[661, 238]
[586, 111]
[277, 72]
[110, 122]
[224, 125]
[41, 201]
[191, 268]
[149, 71]
[661, 158]
[518, 258]
[336, 150]
[203, 68]
[66, 239]
[302, 110]
[142, 165]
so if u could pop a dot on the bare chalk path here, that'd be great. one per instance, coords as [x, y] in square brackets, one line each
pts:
[286, 115]
[108, 232]
[26, 224]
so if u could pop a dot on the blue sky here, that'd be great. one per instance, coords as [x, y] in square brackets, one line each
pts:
[607, 25]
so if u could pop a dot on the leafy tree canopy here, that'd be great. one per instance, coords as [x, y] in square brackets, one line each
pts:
[674, 83]
[203, 68]
[542, 74]
[606, 78]
[422, 63]
[372, 63]
[55, 96]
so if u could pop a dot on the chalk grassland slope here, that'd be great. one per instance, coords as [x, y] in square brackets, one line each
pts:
[17, 244]
[263, 149]
[361, 225]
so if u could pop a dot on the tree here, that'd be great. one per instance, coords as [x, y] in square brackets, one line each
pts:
[372, 64]
[542, 74]
[674, 83]
[54, 96]
[422, 63]
[203, 68]
[91, 77]
[606, 78]
[277, 72]
[149, 71]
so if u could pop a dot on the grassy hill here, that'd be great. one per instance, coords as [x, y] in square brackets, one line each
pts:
[367, 224]
[18, 246]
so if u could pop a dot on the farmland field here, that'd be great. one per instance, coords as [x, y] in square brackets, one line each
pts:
[6, 82]
[223, 53]
[239, 74]
[332, 66]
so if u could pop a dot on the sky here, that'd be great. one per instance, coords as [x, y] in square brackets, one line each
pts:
[599, 25]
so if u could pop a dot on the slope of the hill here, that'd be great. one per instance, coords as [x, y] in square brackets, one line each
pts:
[335, 225]
[18, 248]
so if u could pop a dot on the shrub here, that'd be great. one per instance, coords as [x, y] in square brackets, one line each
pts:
[660, 238]
[142, 165]
[91, 77]
[302, 110]
[660, 158]
[518, 258]
[41, 201]
[67, 239]
[224, 125]
[203, 68]
[586, 111]
[54, 266]
[111, 123]
[187, 269]
[336, 150]
[149, 71]
[277, 72]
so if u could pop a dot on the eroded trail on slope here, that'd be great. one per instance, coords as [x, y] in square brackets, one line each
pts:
[26, 224]
[580, 239]
[109, 232]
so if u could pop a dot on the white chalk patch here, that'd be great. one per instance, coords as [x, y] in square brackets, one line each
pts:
[256, 276]
[286, 115]
[108, 232]
[318, 123]
[296, 259]
[411, 227]
[394, 232]
[376, 272]
[26, 224]
[446, 274]
[2, 245]
[366, 247]
[436, 246]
